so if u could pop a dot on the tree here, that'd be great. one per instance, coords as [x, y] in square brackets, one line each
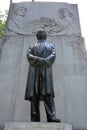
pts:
[3, 18]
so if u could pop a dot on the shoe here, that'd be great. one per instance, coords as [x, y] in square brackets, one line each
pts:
[54, 120]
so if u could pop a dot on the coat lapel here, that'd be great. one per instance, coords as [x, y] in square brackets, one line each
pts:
[40, 48]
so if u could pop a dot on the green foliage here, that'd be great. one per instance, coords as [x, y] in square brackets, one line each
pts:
[3, 18]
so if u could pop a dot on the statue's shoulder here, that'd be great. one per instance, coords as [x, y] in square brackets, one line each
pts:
[50, 44]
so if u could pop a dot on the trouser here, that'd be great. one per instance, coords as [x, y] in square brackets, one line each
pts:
[35, 102]
[49, 108]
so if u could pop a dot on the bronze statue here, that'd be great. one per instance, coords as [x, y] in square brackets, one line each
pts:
[40, 83]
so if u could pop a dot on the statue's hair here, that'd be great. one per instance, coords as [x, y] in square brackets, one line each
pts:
[41, 34]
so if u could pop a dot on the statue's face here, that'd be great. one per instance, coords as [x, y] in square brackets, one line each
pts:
[20, 11]
[41, 35]
[64, 12]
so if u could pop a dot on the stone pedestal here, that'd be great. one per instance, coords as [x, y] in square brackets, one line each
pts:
[37, 126]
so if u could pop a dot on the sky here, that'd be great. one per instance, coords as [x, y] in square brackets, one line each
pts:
[82, 7]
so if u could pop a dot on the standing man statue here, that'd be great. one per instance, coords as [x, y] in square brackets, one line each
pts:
[40, 83]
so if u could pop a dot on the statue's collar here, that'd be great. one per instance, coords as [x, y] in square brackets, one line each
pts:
[41, 41]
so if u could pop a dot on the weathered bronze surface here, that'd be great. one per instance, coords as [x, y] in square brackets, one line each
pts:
[39, 82]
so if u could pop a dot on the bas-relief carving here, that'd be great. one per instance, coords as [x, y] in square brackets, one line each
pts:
[46, 23]
[77, 44]
[68, 21]
[64, 13]
[15, 23]
[65, 23]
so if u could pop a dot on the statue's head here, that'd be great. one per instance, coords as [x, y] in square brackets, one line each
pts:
[41, 34]
[64, 13]
[20, 11]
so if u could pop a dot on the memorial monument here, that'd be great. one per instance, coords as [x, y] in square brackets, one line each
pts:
[61, 22]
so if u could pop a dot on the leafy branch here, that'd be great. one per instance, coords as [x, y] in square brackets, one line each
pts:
[3, 18]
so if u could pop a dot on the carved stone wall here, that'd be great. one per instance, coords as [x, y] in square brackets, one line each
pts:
[61, 21]
[26, 20]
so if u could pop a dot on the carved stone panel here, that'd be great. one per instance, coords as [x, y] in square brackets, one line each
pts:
[63, 20]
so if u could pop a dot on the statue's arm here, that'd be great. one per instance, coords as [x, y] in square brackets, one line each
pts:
[51, 58]
[38, 61]
[31, 58]
[34, 60]
[47, 61]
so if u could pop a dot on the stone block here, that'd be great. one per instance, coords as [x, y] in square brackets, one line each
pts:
[37, 126]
